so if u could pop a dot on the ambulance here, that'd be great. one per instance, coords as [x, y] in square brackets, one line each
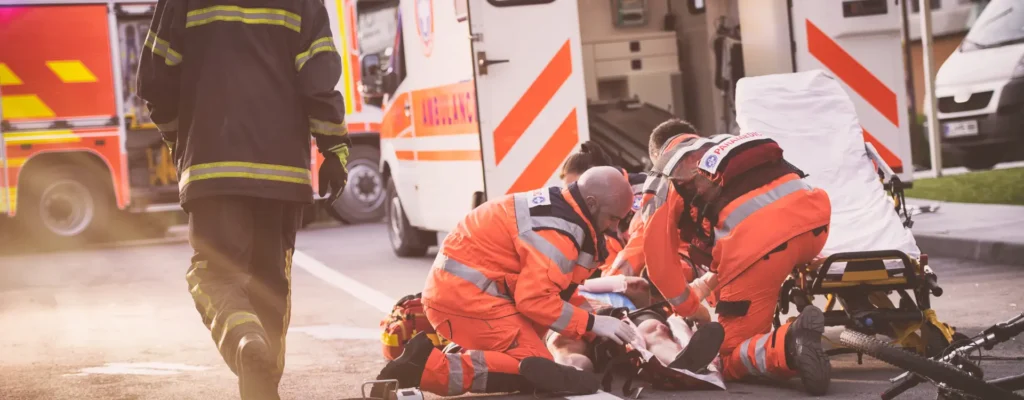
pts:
[488, 97]
[78, 148]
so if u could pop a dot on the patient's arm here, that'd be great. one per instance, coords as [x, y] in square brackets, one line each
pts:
[570, 352]
[660, 341]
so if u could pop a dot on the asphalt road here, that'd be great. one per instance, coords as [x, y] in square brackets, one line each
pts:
[118, 323]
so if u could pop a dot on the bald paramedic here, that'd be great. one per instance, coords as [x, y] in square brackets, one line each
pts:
[504, 278]
[738, 207]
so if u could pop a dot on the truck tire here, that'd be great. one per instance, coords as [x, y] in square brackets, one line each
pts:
[364, 196]
[406, 240]
[66, 204]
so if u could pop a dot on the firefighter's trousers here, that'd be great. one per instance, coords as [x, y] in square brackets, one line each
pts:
[489, 361]
[240, 278]
[750, 347]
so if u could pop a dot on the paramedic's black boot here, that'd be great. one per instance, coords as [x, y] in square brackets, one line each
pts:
[550, 377]
[804, 352]
[407, 369]
[255, 367]
[702, 349]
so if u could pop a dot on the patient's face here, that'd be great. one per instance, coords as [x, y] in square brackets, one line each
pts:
[653, 329]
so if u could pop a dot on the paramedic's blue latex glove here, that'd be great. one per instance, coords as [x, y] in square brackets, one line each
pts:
[334, 172]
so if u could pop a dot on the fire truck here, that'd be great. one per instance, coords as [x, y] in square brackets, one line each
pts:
[489, 97]
[78, 148]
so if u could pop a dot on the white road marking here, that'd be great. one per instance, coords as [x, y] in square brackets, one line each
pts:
[147, 368]
[600, 395]
[358, 290]
[336, 332]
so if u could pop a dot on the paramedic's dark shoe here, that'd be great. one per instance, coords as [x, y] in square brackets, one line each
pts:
[804, 352]
[407, 369]
[702, 349]
[255, 367]
[550, 377]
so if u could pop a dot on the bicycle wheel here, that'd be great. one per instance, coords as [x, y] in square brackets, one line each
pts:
[926, 367]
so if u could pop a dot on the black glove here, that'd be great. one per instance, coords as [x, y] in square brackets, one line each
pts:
[334, 172]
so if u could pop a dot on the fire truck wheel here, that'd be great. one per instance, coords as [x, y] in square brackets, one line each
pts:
[66, 204]
[364, 195]
[406, 240]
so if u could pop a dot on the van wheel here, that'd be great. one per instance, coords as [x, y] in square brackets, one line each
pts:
[406, 240]
[64, 205]
[363, 199]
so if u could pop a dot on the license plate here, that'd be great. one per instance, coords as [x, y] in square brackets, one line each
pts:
[960, 128]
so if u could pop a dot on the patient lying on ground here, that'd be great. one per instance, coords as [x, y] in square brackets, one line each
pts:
[657, 335]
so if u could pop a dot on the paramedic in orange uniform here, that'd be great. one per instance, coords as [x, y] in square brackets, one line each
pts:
[591, 155]
[653, 192]
[744, 211]
[505, 276]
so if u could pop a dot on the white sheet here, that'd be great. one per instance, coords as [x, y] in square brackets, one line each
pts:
[813, 119]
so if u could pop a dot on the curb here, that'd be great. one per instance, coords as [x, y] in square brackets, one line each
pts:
[969, 249]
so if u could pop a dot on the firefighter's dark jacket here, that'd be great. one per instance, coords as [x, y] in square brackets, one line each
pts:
[238, 89]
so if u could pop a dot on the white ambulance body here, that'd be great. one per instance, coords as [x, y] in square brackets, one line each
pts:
[489, 97]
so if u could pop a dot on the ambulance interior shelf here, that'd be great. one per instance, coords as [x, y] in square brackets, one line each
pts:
[622, 129]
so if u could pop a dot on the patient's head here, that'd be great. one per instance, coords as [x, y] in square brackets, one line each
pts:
[653, 328]
[662, 133]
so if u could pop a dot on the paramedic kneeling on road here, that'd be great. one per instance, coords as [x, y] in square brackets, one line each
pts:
[504, 278]
[745, 212]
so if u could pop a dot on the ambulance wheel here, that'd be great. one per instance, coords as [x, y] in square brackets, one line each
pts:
[363, 199]
[406, 240]
[65, 204]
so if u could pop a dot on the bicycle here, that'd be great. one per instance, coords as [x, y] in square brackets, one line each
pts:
[955, 375]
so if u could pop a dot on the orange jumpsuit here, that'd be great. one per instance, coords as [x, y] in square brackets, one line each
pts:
[507, 274]
[654, 193]
[759, 238]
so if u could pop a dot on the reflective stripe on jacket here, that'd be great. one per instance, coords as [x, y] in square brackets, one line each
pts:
[523, 253]
[750, 227]
[237, 91]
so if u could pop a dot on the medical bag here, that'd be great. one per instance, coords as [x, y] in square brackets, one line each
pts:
[405, 321]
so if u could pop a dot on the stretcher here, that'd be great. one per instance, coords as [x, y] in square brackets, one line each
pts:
[871, 252]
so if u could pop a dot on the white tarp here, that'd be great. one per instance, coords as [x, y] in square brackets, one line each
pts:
[813, 119]
[682, 333]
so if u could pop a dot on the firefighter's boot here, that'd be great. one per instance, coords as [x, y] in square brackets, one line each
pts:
[550, 377]
[407, 369]
[255, 367]
[804, 352]
[702, 349]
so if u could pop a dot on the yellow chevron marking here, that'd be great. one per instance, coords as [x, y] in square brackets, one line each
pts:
[71, 71]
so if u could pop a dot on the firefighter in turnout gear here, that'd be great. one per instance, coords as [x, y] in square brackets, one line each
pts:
[506, 275]
[737, 207]
[236, 90]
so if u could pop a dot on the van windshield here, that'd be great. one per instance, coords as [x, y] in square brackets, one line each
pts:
[1000, 24]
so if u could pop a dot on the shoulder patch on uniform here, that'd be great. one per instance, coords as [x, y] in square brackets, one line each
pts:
[637, 201]
[539, 197]
[713, 157]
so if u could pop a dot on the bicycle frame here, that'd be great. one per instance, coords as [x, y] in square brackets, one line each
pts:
[987, 339]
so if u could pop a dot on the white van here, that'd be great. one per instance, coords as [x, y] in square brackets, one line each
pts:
[980, 88]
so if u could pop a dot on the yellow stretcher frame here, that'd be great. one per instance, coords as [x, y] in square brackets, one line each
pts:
[905, 325]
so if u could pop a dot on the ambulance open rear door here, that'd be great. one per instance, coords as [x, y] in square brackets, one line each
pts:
[531, 95]
[860, 43]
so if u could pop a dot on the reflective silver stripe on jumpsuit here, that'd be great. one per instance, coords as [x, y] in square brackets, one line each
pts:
[525, 223]
[470, 275]
[756, 203]
[758, 366]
